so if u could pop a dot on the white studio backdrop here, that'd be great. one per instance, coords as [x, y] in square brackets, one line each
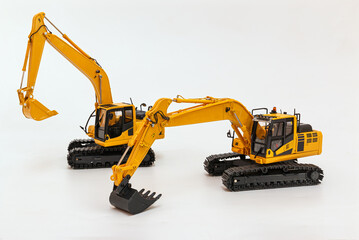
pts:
[288, 54]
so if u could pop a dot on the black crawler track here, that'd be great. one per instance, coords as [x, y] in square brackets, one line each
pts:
[76, 143]
[85, 153]
[276, 175]
[239, 173]
[216, 164]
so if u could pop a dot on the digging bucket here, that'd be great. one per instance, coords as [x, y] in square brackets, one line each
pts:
[33, 109]
[130, 200]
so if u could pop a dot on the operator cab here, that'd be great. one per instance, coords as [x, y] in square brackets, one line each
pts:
[279, 130]
[114, 121]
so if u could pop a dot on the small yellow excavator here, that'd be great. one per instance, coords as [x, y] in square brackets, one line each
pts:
[264, 151]
[115, 122]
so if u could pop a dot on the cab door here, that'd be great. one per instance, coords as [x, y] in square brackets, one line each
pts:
[276, 136]
[281, 137]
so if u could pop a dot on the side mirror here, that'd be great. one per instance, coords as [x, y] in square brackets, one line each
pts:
[229, 135]
[142, 105]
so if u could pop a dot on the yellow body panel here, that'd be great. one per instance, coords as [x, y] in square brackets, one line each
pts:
[312, 141]
[261, 160]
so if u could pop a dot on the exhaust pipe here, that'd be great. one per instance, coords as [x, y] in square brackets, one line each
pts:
[126, 198]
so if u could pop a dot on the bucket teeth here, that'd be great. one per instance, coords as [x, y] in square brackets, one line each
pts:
[149, 196]
[146, 194]
[126, 198]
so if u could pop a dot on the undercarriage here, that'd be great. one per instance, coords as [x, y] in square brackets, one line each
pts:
[240, 174]
[85, 153]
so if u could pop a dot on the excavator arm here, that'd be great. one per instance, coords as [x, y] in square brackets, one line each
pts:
[157, 119]
[32, 108]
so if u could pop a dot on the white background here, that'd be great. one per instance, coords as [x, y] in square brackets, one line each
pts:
[290, 54]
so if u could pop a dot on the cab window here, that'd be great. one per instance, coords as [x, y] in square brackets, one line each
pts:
[259, 144]
[102, 118]
[277, 135]
[277, 129]
[114, 123]
[289, 128]
[128, 115]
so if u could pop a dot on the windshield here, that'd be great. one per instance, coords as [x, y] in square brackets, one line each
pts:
[263, 123]
[100, 124]
[259, 141]
[115, 123]
[102, 118]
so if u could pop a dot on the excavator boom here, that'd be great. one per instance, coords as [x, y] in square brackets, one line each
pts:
[207, 110]
[32, 108]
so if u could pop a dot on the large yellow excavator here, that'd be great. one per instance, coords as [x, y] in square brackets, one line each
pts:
[264, 151]
[115, 122]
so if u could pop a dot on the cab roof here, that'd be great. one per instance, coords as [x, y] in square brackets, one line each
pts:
[114, 106]
[273, 116]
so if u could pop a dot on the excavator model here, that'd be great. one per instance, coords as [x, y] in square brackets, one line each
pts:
[115, 123]
[264, 151]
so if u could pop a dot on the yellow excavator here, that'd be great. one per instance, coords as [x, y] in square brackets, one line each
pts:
[265, 148]
[115, 123]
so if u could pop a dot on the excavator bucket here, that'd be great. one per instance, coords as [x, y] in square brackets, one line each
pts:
[130, 200]
[33, 109]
